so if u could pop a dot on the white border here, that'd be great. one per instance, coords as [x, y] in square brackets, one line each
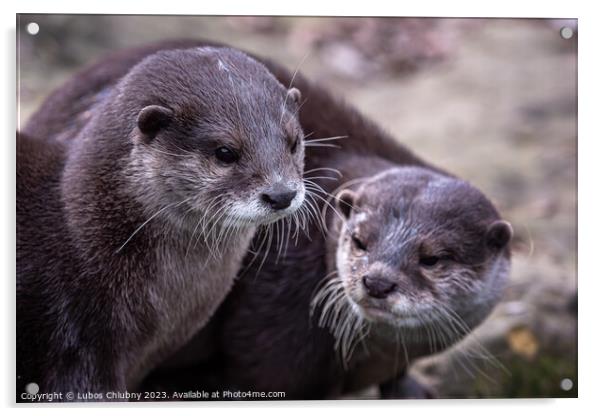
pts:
[589, 210]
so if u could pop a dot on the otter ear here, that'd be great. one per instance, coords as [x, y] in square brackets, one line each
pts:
[499, 234]
[152, 119]
[294, 94]
[346, 201]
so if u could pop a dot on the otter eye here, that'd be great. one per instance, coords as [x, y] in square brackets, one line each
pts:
[358, 243]
[226, 155]
[295, 145]
[429, 261]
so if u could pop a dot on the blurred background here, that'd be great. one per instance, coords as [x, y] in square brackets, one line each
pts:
[491, 100]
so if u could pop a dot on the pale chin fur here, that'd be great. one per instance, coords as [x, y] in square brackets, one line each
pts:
[401, 313]
[253, 212]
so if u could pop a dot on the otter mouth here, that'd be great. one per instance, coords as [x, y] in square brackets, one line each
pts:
[383, 313]
[263, 213]
[266, 219]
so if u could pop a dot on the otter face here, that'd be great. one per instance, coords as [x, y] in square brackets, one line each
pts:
[420, 250]
[219, 134]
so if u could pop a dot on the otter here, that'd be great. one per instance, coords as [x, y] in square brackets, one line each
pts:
[130, 237]
[262, 336]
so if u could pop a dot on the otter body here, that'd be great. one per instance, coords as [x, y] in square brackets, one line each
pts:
[130, 235]
[275, 331]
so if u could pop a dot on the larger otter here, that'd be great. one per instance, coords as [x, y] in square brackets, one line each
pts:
[128, 242]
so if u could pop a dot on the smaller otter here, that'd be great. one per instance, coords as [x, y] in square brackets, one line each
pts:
[418, 269]
[130, 237]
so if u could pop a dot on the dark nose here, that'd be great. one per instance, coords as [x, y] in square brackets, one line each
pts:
[378, 287]
[279, 197]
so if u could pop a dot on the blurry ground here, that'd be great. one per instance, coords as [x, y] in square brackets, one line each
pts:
[493, 101]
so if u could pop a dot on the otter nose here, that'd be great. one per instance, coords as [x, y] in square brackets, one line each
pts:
[378, 287]
[279, 197]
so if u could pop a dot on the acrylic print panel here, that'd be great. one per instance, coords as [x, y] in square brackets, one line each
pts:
[284, 208]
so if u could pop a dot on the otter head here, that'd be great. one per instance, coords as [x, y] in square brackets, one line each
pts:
[214, 137]
[419, 250]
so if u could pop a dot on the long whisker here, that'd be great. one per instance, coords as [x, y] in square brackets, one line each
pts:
[325, 139]
[321, 177]
[149, 220]
[168, 153]
[214, 201]
[290, 84]
[338, 172]
[322, 145]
